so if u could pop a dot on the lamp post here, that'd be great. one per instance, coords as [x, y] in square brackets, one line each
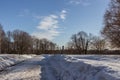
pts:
[62, 50]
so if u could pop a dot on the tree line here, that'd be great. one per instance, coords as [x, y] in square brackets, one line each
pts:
[20, 42]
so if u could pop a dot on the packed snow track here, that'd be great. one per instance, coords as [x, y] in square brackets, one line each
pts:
[65, 67]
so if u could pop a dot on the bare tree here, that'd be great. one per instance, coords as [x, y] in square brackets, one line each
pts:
[0, 37]
[81, 41]
[47, 45]
[8, 42]
[52, 45]
[2, 40]
[111, 28]
[42, 45]
[98, 43]
[35, 45]
[22, 41]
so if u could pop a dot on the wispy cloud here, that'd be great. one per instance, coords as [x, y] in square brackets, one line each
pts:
[48, 26]
[48, 22]
[63, 14]
[50, 35]
[80, 2]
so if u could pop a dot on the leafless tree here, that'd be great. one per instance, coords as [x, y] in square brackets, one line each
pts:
[8, 42]
[98, 43]
[47, 45]
[81, 41]
[42, 45]
[52, 46]
[111, 28]
[22, 41]
[2, 40]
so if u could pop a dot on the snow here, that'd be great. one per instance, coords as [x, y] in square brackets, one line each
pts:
[27, 70]
[108, 66]
[11, 59]
[65, 67]
[81, 67]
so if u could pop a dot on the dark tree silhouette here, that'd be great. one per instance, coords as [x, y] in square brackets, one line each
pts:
[22, 41]
[111, 28]
[8, 42]
[2, 40]
[81, 41]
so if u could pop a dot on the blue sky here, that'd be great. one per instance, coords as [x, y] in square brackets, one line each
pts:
[55, 20]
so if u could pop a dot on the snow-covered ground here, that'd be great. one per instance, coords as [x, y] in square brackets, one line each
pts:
[11, 59]
[98, 67]
[82, 67]
[27, 70]
[65, 67]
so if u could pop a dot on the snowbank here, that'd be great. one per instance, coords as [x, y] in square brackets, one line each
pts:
[11, 59]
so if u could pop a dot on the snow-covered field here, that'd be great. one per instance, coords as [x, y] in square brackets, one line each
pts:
[7, 60]
[65, 67]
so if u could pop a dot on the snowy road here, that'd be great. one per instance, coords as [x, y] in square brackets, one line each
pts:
[27, 70]
[63, 67]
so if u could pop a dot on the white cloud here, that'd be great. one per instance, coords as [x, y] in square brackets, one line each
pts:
[48, 25]
[80, 2]
[48, 22]
[63, 14]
